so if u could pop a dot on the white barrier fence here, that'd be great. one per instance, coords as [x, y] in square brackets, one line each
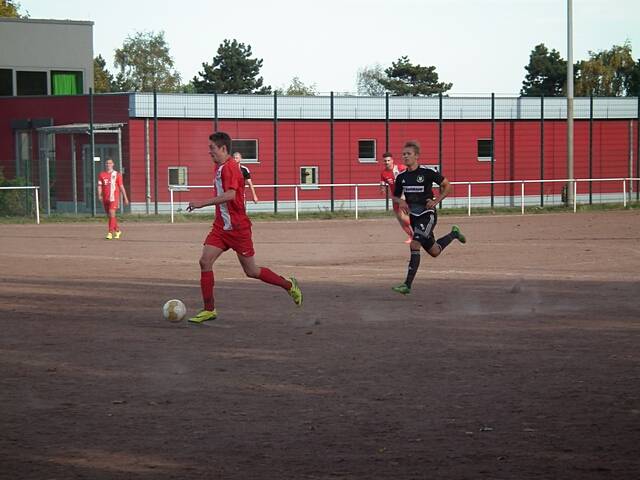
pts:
[357, 186]
[36, 194]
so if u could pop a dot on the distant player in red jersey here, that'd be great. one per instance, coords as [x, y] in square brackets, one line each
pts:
[388, 178]
[109, 188]
[231, 229]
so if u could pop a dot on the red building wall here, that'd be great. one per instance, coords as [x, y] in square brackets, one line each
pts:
[183, 142]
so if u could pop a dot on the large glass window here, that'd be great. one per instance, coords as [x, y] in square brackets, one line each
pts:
[6, 82]
[31, 83]
[66, 83]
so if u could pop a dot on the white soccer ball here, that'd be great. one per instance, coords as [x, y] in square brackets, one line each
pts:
[174, 311]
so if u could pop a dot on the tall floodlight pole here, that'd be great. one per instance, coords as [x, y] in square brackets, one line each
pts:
[570, 185]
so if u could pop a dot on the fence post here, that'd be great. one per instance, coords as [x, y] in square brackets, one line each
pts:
[440, 128]
[37, 193]
[575, 195]
[296, 200]
[155, 151]
[522, 197]
[386, 144]
[624, 193]
[542, 150]
[469, 199]
[275, 152]
[331, 155]
[638, 150]
[591, 149]
[215, 111]
[171, 201]
[493, 139]
[356, 193]
[93, 153]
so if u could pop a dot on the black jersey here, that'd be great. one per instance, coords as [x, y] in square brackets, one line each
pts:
[245, 172]
[416, 187]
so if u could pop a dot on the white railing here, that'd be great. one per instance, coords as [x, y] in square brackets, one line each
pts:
[36, 194]
[357, 186]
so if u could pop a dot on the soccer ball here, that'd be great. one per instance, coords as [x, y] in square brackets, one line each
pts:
[174, 311]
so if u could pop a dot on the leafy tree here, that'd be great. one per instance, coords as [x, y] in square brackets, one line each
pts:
[102, 78]
[297, 88]
[144, 64]
[608, 73]
[11, 9]
[369, 80]
[405, 78]
[634, 80]
[232, 70]
[546, 73]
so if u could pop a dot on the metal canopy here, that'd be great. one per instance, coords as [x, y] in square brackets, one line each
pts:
[83, 128]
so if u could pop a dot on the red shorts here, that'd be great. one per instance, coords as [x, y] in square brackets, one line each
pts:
[238, 240]
[109, 205]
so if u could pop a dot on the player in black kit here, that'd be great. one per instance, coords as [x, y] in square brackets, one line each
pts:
[419, 203]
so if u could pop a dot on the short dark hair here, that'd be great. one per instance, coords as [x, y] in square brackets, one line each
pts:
[414, 144]
[387, 154]
[221, 139]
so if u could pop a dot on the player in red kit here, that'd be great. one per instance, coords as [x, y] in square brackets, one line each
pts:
[388, 178]
[231, 229]
[109, 188]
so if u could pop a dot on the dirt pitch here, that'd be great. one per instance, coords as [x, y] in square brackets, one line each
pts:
[515, 357]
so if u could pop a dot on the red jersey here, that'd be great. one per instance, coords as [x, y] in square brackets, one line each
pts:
[111, 184]
[388, 177]
[232, 214]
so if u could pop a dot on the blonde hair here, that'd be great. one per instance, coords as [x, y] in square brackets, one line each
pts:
[414, 144]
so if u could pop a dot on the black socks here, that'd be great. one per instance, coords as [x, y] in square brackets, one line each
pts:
[414, 263]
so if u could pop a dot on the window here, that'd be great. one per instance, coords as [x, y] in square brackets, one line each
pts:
[31, 83]
[66, 83]
[484, 149]
[309, 177]
[178, 177]
[6, 82]
[247, 148]
[367, 150]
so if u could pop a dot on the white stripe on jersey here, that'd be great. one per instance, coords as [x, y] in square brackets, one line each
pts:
[224, 210]
[112, 187]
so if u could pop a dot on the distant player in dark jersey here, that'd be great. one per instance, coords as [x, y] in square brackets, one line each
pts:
[246, 173]
[419, 203]
[388, 179]
[110, 185]
[231, 229]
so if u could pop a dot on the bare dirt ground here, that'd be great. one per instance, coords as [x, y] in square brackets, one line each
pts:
[516, 356]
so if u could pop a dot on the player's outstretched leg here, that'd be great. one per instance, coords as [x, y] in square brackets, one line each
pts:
[414, 264]
[405, 223]
[268, 276]
[116, 228]
[208, 257]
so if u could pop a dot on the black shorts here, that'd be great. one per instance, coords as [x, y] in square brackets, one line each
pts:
[423, 226]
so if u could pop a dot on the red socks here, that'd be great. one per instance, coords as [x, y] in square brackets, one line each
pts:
[206, 286]
[267, 276]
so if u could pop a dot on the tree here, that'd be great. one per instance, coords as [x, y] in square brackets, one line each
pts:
[369, 80]
[297, 88]
[11, 9]
[546, 73]
[607, 73]
[102, 78]
[405, 78]
[232, 70]
[145, 64]
[634, 80]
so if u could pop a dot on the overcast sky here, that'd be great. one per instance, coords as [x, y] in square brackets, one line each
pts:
[479, 45]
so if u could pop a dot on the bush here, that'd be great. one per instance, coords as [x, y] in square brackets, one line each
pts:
[15, 202]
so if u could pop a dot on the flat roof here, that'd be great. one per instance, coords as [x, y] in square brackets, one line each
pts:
[46, 21]
[82, 128]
